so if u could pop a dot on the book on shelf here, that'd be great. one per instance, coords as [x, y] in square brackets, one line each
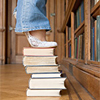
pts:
[69, 33]
[38, 51]
[92, 39]
[93, 47]
[79, 47]
[47, 83]
[95, 39]
[69, 50]
[42, 69]
[44, 92]
[79, 17]
[39, 60]
[98, 38]
[46, 75]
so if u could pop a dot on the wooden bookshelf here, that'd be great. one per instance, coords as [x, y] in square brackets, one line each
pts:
[84, 27]
[69, 41]
[96, 10]
[83, 69]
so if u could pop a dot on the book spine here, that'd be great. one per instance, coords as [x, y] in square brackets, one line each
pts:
[78, 17]
[98, 38]
[82, 11]
[95, 33]
[93, 44]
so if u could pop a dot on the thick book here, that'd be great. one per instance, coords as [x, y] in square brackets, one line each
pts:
[38, 51]
[47, 83]
[39, 60]
[46, 75]
[45, 92]
[40, 69]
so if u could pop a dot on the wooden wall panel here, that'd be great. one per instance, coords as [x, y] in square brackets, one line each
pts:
[2, 30]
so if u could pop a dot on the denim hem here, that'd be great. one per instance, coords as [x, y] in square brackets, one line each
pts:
[32, 28]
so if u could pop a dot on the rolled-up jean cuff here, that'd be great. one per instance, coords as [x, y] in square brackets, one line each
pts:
[33, 28]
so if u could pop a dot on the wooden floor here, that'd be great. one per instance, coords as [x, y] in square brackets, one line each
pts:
[14, 82]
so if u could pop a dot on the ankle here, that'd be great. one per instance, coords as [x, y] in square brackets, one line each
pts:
[40, 34]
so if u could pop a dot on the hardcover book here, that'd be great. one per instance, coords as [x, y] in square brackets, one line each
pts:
[47, 83]
[40, 69]
[39, 60]
[38, 51]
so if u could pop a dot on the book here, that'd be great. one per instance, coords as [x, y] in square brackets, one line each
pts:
[69, 33]
[47, 83]
[39, 60]
[40, 69]
[46, 75]
[79, 16]
[80, 49]
[93, 51]
[82, 11]
[38, 92]
[95, 35]
[38, 51]
[98, 38]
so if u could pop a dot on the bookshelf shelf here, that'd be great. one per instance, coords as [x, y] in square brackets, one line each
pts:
[96, 10]
[80, 29]
[69, 41]
[94, 62]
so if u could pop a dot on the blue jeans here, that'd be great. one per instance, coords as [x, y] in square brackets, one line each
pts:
[31, 15]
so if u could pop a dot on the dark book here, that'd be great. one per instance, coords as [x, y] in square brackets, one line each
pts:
[98, 38]
[82, 11]
[80, 50]
[93, 47]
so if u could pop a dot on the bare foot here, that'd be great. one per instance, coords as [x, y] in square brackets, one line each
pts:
[40, 34]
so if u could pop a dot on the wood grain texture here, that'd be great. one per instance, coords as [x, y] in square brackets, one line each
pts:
[72, 92]
[90, 82]
[66, 41]
[14, 82]
[2, 31]
[96, 10]
[81, 92]
[87, 30]
[72, 35]
[91, 69]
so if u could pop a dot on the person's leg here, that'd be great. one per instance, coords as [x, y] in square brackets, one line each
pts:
[31, 19]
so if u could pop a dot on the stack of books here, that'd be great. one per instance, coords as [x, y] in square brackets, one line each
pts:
[45, 78]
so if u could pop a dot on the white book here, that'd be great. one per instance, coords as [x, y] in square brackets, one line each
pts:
[30, 92]
[45, 75]
[40, 69]
[47, 83]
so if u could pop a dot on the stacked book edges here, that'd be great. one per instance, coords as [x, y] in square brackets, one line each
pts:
[45, 78]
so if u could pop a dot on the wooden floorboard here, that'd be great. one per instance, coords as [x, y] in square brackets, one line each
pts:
[14, 82]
